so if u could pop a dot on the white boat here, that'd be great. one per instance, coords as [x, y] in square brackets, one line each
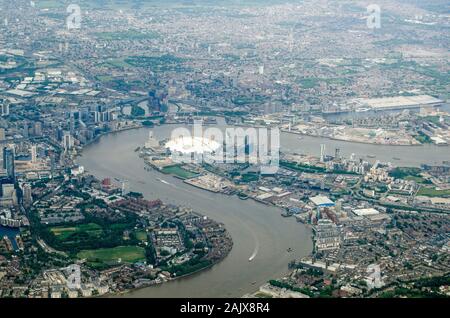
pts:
[163, 181]
[254, 253]
[361, 110]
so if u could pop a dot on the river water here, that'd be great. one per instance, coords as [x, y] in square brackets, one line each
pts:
[412, 156]
[10, 233]
[397, 155]
[253, 226]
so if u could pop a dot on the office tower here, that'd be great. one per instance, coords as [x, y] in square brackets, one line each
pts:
[8, 162]
[96, 115]
[322, 153]
[105, 116]
[153, 101]
[76, 115]
[25, 130]
[5, 108]
[33, 154]
[67, 141]
[74, 120]
[37, 128]
[100, 108]
[59, 133]
[261, 70]
[72, 123]
[27, 195]
[337, 154]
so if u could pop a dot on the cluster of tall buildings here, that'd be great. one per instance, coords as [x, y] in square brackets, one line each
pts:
[9, 194]
[32, 129]
[8, 179]
[157, 99]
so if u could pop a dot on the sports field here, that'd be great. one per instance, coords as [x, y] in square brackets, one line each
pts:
[179, 172]
[430, 192]
[63, 232]
[127, 254]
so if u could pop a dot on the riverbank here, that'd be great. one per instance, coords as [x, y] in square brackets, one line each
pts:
[96, 138]
[172, 279]
[349, 141]
[144, 286]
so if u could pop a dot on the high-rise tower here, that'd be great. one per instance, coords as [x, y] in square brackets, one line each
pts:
[8, 162]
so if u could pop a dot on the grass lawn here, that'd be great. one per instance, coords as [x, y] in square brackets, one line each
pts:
[244, 100]
[105, 78]
[407, 173]
[128, 254]
[118, 63]
[301, 167]
[179, 172]
[141, 235]
[415, 178]
[62, 232]
[309, 82]
[431, 192]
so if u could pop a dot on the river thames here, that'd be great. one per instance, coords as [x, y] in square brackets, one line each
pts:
[254, 227]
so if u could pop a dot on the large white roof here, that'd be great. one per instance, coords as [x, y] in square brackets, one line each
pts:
[197, 145]
[321, 200]
[363, 212]
[399, 101]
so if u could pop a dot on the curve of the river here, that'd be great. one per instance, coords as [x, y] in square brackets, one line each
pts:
[254, 227]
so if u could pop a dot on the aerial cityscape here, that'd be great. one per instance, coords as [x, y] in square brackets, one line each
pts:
[249, 149]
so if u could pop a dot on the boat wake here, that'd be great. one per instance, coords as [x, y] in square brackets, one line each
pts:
[165, 182]
[255, 251]
[253, 255]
